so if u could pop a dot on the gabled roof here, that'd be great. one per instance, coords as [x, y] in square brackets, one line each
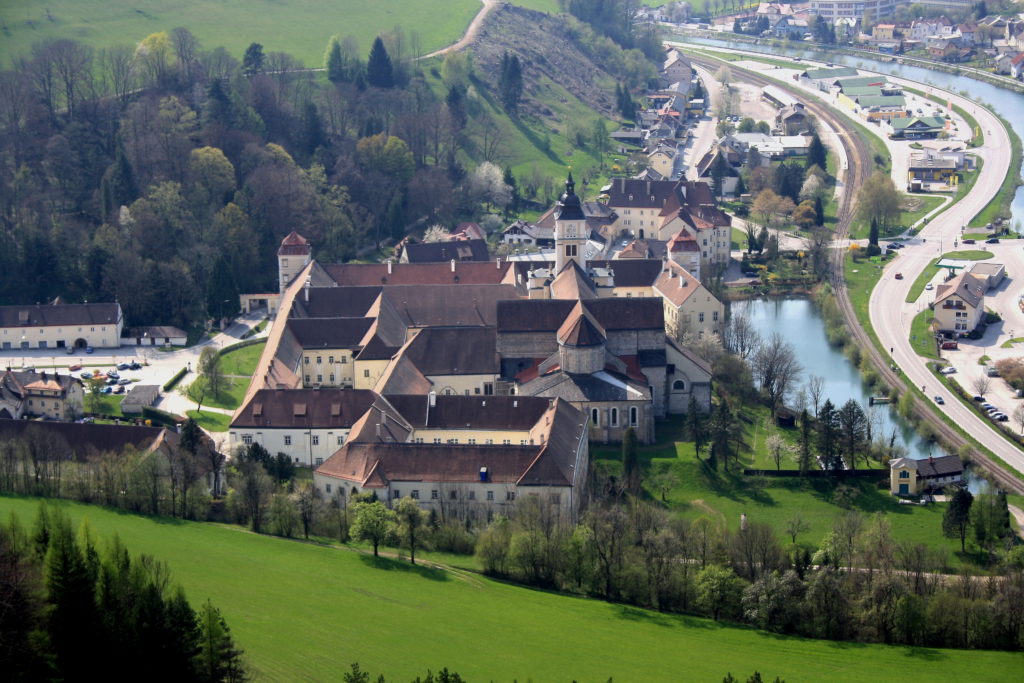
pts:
[965, 286]
[53, 315]
[520, 413]
[613, 314]
[303, 408]
[85, 441]
[676, 284]
[453, 351]
[329, 333]
[376, 274]
[294, 244]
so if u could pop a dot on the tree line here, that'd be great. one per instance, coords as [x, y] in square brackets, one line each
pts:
[67, 601]
[858, 584]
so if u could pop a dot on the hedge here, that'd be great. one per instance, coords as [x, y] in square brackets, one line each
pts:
[241, 344]
[160, 417]
[173, 381]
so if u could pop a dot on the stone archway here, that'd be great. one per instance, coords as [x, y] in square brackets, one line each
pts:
[80, 343]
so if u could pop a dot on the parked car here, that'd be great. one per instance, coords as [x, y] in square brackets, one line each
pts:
[978, 398]
[969, 241]
[86, 375]
[119, 389]
[992, 240]
[28, 368]
[88, 349]
[113, 374]
[122, 366]
[950, 370]
[1002, 417]
[899, 276]
[70, 351]
[111, 380]
[123, 381]
[987, 406]
[74, 368]
[940, 400]
[107, 390]
[949, 344]
[135, 366]
[992, 372]
[929, 286]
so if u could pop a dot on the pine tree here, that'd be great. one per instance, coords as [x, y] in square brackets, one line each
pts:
[510, 83]
[816, 155]
[873, 233]
[334, 63]
[396, 218]
[73, 624]
[117, 188]
[219, 659]
[956, 518]
[819, 210]
[252, 62]
[696, 426]
[379, 71]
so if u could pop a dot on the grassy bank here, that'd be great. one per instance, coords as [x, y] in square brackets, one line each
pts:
[304, 611]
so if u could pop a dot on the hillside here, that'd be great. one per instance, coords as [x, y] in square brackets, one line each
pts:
[550, 54]
[305, 612]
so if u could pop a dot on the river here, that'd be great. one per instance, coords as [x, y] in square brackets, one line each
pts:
[798, 321]
[1005, 102]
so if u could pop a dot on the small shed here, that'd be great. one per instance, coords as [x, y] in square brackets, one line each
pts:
[992, 274]
[140, 396]
[155, 335]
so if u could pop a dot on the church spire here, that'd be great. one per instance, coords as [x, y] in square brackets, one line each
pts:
[570, 185]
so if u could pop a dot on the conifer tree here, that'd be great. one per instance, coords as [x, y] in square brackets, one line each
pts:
[379, 71]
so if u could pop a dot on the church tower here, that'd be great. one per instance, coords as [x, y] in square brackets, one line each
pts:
[570, 228]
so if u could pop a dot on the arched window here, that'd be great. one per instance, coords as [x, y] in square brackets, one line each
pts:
[632, 417]
[595, 416]
[614, 417]
[679, 385]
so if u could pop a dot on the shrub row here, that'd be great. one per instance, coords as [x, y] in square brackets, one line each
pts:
[173, 381]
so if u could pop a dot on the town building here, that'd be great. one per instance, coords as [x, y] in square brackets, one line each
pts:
[61, 326]
[139, 396]
[926, 172]
[26, 394]
[910, 477]
[445, 251]
[835, 9]
[792, 120]
[959, 305]
[155, 335]
[464, 457]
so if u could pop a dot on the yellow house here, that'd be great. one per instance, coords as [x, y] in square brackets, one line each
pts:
[60, 326]
[31, 394]
[959, 304]
[910, 477]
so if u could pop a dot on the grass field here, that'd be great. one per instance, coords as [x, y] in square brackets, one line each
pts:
[242, 361]
[229, 398]
[298, 27]
[210, 421]
[305, 612]
[931, 269]
[724, 496]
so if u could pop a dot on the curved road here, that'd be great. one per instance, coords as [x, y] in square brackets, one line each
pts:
[891, 317]
[471, 32]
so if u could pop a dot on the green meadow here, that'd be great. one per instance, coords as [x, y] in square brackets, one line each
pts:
[298, 27]
[304, 611]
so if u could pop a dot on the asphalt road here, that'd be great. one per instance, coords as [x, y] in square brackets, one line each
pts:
[891, 316]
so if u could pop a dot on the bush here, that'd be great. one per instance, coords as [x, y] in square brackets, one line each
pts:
[173, 381]
[874, 250]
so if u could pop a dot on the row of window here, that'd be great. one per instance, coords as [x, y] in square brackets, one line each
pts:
[60, 330]
[330, 360]
[613, 417]
[314, 440]
[472, 442]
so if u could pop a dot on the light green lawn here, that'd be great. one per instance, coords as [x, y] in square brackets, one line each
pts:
[298, 27]
[242, 361]
[229, 398]
[305, 612]
[210, 421]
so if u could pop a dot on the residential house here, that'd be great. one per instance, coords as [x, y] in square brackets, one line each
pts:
[910, 477]
[1002, 62]
[1017, 66]
[880, 107]
[792, 120]
[53, 396]
[691, 310]
[884, 32]
[676, 68]
[529, 234]
[959, 305]
[790, 27]
[60, 326]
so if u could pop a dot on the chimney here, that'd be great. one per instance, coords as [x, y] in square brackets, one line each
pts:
[431, 402]
[306, 288]
[497, 263]
[515, 403]
[389, 267]
[453, 265]
[682, 281]
[483, 474]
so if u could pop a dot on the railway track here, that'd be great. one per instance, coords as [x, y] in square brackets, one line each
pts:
[858, 153]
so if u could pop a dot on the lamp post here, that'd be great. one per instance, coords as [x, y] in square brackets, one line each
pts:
[145, 337]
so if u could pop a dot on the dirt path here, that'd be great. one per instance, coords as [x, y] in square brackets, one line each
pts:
[470, 35]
